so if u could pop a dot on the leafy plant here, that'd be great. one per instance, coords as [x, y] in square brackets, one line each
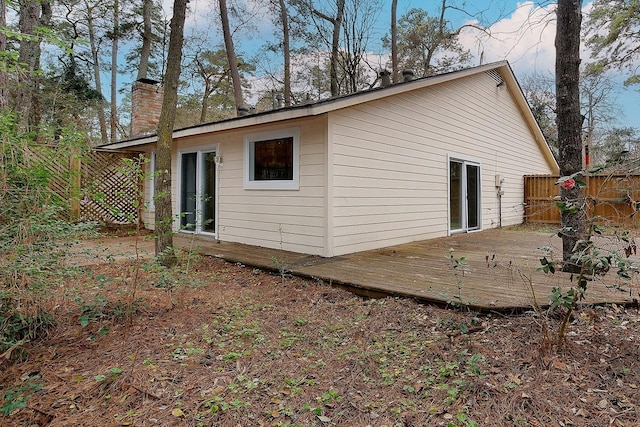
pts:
[281, 266]
[35, 231]
[16, 398]
[458, 265]
[590, 259]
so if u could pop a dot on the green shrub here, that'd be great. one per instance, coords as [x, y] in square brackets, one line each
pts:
[34, 233]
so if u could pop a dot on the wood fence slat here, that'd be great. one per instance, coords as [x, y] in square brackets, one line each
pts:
[611, 199]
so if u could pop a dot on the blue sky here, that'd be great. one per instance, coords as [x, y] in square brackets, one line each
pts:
[521, 32]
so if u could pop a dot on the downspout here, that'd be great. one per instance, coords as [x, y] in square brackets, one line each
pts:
[499, 182]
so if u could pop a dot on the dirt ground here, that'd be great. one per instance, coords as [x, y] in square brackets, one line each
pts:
[217, 344]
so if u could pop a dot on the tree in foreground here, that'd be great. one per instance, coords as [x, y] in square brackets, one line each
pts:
[569, 122]
[164, 217]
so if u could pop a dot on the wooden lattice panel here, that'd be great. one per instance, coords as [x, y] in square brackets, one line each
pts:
[57, 166]
[104, 183]
[110, 188]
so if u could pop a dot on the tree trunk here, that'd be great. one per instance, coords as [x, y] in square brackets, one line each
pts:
[394, 41]
[102, 120]
[231, 55]
[147, 36]
[205, 101]
[164, 216]
[335, 49]
[569, 122]
[114, 71]
[286, 52]
[33, 13]
[4, 78]
[336, 21]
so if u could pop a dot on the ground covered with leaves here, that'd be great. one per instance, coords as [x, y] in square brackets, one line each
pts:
[218, 344]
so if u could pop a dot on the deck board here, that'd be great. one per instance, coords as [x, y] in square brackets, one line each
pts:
[424, 271]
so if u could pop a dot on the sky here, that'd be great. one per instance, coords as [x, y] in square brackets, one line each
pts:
[521, 32]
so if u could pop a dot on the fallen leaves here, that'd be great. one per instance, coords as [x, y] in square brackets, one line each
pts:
[238, 353]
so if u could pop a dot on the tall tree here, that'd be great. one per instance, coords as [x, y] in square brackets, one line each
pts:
[4, 76]
[164, 216]
[231, 55]
[597, 104]
[147, 38]
[359, 18]
[598, 108]
[394, 41]
[335, 22]
[33, 15]
[614, 35]
[115, 36]
[82, 20]
[214, 78]
[569, 120]
[286, 52]
[92, 11]
[290, 18]
[620, 148]
[539, 89]
[427, 44]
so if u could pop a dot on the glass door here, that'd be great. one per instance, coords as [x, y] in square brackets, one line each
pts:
[464, 196]
[188, 186]
[198, 191]
[208, 218]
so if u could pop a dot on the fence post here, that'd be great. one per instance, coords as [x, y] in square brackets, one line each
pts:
[75, 169]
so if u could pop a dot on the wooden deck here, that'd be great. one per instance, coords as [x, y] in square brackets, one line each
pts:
[497, 270]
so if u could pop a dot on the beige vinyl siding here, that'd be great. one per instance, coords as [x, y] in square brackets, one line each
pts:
[293, 220]
[148, 212]
[390, 161]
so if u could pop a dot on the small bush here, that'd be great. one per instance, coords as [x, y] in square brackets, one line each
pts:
[34, 235]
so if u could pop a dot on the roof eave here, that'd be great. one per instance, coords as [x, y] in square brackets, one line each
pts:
[326, 106]
[518, 95]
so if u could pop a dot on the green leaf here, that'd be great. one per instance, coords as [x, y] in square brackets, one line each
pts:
[84, 320]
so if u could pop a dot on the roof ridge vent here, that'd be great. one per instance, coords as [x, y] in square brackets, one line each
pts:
[496, 76]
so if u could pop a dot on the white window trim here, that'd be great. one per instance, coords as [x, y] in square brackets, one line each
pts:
[152, 181]
[293, 184]
[200, 151]
[471, 161]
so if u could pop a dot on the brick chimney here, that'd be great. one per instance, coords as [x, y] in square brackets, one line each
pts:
[146, 105]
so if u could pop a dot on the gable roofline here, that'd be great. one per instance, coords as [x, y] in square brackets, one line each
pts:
[345, 101]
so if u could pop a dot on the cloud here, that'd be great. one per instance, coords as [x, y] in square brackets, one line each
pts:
[525, 39]
[203, 21]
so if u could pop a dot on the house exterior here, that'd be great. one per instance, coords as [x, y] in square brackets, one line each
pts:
[412, 161]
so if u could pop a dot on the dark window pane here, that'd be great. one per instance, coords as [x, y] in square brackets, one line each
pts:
[273, 160]
[209, 192]
[455, 195]
[473, 196]
[188, 192]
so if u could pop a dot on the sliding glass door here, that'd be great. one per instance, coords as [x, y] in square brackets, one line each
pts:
[464, 196]
[198, 191]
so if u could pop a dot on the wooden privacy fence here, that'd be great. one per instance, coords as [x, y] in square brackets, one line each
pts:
[99, 184]
[612, 199]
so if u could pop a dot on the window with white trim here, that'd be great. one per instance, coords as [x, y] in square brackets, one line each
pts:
[271, 160]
